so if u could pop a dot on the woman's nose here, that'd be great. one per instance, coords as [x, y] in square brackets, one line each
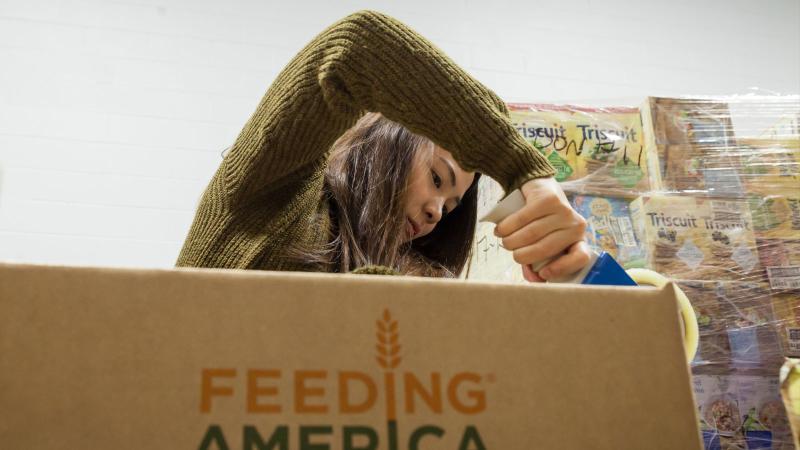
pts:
[433, 210]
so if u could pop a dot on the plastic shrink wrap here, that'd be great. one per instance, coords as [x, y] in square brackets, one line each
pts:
[705, 191]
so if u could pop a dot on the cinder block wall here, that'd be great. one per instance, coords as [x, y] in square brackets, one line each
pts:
[113, 113]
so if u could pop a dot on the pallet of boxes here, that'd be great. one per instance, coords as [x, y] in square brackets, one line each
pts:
[672, 187]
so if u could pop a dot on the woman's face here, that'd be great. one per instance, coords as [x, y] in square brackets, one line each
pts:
[435, 187]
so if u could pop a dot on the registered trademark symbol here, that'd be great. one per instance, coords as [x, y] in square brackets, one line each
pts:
[490, 378]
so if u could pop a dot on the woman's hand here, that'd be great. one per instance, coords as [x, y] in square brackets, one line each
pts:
[546, 227]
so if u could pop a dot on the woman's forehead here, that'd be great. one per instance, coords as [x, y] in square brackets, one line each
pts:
[442, 153]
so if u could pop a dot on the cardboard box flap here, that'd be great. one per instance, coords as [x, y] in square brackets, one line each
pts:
[119, 358]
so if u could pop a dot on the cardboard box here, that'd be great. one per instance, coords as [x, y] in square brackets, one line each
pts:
[695, 144]
[751, 324]
[712, 321]
[786, 310]
[596, 150]
[776, 216]
[764, 419]
[702, 170]
[610, 228]
[718, 409]
[740, 409]
[695, 238]
[687, 121]
[735, 322]
[180, 359]
[770, 166]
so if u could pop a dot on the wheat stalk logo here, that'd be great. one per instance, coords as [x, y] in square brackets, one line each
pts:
[388, 345]
[388, 357]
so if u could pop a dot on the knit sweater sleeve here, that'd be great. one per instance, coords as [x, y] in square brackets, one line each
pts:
[371, 62]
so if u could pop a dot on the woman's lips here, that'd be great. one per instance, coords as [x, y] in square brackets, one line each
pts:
[412, 227]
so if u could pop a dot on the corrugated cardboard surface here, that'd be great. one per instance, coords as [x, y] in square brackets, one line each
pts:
[108, 358]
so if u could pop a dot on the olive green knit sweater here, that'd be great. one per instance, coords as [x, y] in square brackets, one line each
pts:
[267, 193]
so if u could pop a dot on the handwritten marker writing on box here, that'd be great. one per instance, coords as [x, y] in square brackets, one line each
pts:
[602, 269]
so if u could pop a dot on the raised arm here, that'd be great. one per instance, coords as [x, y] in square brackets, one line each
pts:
[371, 62]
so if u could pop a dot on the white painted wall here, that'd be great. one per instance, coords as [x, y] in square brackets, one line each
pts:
[113, 113]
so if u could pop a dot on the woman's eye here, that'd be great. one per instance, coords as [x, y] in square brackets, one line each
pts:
[436, 180]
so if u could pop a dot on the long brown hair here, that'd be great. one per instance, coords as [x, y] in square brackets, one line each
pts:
[366, 183]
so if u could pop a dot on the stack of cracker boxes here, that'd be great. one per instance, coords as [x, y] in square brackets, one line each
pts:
[672, 187]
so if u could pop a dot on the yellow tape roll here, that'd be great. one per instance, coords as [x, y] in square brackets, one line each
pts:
[690, 331]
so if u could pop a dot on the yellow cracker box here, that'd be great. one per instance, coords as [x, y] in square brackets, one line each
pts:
[697, 238]
[610, 228]
[735, 322]
[764, 419]
[740, 408]
[718, 409]
[770, 166]
[775, 216]
[707, 171]
[687, 121]
[786, 309]
[600, 149]
[781, 261]
[695, 144]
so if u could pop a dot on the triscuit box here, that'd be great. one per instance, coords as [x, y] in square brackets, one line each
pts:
[786, 310]
[712, 321]
[735, 323]
[687, 121]
[776, 222]
[770, 166]
[750, 323]
[697, 238]
[776, 216]
[764, 420]
[610, 228]
[740, 409]
[718, 408]
[598, 150]
[781, 261]
[705, 171]
[695, 144]
[210, 359]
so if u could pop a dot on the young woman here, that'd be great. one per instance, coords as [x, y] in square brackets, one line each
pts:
[316, 182]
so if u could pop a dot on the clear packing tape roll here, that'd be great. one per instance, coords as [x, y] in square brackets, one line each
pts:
[706, 192]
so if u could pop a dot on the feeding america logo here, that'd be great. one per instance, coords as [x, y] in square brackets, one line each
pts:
[320, 393]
